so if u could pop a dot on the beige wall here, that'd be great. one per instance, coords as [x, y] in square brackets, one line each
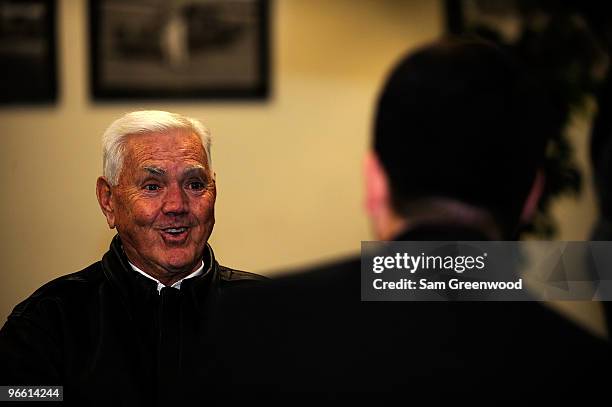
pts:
[288, 169]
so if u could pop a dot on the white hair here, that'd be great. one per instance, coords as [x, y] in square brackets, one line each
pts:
[143, 122]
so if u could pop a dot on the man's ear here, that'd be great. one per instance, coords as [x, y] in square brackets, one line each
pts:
[376, 185]
[104, 194]
[531, 203]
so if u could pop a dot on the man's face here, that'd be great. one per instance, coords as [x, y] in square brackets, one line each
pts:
[164, 202]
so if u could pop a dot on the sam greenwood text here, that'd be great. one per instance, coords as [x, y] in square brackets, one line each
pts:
[452, 284]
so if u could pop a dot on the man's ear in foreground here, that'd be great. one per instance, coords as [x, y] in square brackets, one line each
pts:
[378, 204]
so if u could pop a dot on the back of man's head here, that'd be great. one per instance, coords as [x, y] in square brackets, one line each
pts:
[460, 119]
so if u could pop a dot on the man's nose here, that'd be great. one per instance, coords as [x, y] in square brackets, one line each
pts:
[175, 201]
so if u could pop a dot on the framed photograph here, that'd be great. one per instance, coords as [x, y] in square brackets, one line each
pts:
[179, 49]
[27, 52]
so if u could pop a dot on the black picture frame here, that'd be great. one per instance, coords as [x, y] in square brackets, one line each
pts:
[28, 61]
[170, 49]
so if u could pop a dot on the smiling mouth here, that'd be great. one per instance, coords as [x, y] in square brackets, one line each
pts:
[175, 231]
[175, 234]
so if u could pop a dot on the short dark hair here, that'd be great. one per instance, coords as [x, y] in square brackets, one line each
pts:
[462, 119]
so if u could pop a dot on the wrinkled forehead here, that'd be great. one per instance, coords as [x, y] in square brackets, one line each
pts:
[171, 146]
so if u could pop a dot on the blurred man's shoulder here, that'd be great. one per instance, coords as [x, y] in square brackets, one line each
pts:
[337, 271]
[304, 287]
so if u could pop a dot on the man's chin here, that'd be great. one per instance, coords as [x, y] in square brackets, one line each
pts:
[182, 264]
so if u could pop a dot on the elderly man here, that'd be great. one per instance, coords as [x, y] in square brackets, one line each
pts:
[128, 328]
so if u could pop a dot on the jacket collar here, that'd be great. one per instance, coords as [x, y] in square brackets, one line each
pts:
[137, 291]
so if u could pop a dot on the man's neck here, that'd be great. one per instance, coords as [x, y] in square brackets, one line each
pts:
[440, 211]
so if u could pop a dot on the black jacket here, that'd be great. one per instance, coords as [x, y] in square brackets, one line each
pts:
[109, 337]
[313, 334]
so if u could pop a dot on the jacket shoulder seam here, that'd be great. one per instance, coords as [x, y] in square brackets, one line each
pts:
[229, 274]
[54, 289]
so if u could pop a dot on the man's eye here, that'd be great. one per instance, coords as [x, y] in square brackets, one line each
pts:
[151, 187]
[196, 185]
